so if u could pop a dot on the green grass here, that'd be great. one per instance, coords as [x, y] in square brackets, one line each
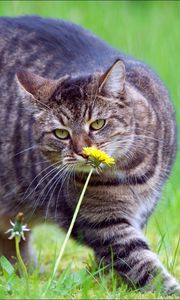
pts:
[149, 31]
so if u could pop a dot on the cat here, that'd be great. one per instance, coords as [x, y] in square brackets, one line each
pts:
[62, 88]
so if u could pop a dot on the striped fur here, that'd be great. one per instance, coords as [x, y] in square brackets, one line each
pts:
[82, 79]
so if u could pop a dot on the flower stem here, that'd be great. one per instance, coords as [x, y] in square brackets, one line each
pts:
[21, 263]
[69, 231]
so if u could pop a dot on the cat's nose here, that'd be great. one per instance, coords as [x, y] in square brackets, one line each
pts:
[80, 141]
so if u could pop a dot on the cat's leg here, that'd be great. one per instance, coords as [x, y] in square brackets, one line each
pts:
[132, 257]
[7, 248]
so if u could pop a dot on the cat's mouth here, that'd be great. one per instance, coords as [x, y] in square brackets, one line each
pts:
[81, 165]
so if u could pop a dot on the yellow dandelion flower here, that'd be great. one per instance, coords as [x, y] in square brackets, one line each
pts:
[96, 156]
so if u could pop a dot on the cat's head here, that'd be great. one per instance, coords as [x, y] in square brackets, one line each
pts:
[72, 113]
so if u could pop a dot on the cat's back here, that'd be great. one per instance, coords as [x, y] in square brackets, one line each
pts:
[54, 47]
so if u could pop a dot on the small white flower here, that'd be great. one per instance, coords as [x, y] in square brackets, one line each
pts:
[18, 228]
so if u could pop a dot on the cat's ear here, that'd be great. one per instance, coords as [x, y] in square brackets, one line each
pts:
[112, 82]
[40, 88]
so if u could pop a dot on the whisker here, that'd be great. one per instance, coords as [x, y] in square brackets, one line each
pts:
[61, 186]
[32, 192]
[38, 200]
[57, 198]
[148, 137]
[69, 177]
[55, 185]
[52, 165]
[25, 150]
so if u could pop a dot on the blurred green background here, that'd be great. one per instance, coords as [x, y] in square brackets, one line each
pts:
[149, 31]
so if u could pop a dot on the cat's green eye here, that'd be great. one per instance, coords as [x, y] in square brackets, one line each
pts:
[62, 134]
[98, 124]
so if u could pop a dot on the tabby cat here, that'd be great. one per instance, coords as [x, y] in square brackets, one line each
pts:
[62, 88]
